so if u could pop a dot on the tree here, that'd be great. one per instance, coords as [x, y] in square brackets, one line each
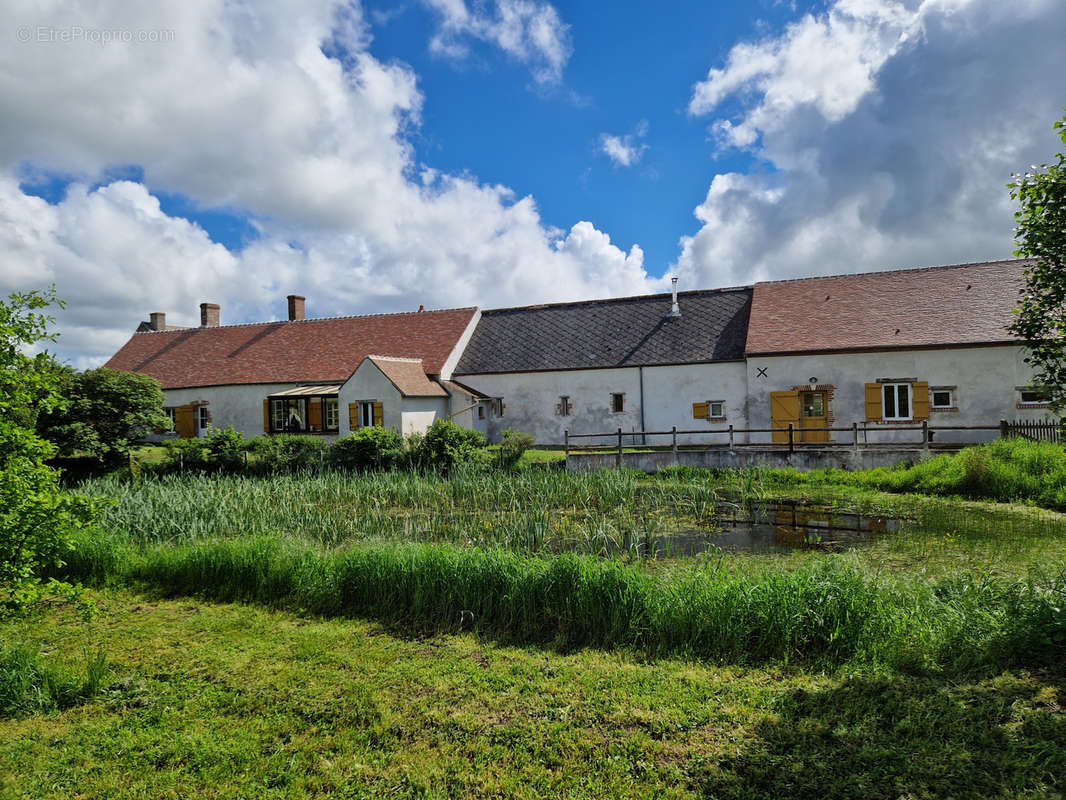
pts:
[37, 518]
[106, 411]
[1041, 235]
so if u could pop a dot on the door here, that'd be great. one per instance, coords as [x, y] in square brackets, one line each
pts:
[784, 408]
[814, 414]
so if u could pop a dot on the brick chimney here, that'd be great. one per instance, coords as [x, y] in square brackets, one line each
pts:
[158, 320]
[209, 315]
[296, 307]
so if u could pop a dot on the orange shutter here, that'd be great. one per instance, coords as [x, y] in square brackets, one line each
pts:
[353, 416]
[266, 415]
[700, 410]
[185, 421]
[379, 415]
[920, 401]
[314, 413]
[784, 408]
[873, 402]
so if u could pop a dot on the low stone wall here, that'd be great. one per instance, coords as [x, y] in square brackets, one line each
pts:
[801, 459]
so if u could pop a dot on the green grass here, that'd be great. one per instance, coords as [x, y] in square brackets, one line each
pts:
[32, 684]
[216, 700]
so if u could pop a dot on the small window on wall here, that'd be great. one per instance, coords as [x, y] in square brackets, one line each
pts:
[716, 409]
[1034, 396]
[896, 401]
[366, 414]
[941, 398]
[618, 403]
[204, 417]
[563, 407]
[332, 414]
[169, 413]
[480, 411]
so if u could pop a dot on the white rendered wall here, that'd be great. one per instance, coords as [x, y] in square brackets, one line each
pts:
[240, 406]
[418, 413]
[986, 378]
[368, 384]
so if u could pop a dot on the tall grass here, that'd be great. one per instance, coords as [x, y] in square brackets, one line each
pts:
[828, 611]
[31, 684]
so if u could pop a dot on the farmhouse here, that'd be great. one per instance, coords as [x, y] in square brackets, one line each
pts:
[884, 350]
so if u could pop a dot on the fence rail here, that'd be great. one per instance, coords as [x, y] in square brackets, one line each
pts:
[792, 438]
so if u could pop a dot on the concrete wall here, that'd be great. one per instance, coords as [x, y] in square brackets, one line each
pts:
[368, 383]
[531, 398]
[418, 413]
[802, 460]
[239, 406]
[985, 378]
[463, 412]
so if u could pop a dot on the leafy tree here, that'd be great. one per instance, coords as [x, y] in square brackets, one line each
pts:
[1041, 235]
[447, 445]
[107, 410]
[37, 519]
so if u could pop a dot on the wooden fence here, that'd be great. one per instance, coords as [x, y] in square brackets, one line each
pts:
[1041, 430]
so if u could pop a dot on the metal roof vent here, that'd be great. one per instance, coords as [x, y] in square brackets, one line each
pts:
[675, 309]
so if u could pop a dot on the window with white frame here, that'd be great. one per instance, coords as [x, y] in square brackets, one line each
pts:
[896, 401]
[716, 409]
[941, 397]
[332, 413]
[366, 414]
[1034, 396]
[204, 417]
[169, 412]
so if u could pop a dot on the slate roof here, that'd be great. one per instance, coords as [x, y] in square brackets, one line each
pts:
[301, 351]
[408, 375]
[952, 305]
[622, 332]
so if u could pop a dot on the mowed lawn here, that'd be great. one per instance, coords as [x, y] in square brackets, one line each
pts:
[217, 700]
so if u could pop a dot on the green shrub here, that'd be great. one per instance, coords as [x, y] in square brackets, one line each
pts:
[186, 454]
[288, 452]
[447, 445]
[29, 685]
[368, 448]
[514, 444]
[226, 449]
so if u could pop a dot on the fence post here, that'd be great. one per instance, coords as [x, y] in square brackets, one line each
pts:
[791, 439]
[566, 449]
[855, 437]
[673, 445]
[618, 456]
[731, 443]
[1004, 430]
[925, 435]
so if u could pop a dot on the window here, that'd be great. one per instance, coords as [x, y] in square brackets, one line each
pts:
[813, 404]
[896, 401]
[366, 414]
[563, 409]
[618, 403]
[942, 398]
[716, 409]
[498, 407]
[1034, 396]
[332, 413]
[288, 414]
[169, 412]
[204, 416]
[480, 411]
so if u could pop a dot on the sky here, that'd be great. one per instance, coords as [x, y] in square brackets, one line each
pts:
[379, 156]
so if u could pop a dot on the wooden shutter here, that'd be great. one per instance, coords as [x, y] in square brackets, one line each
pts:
[379, 415]
[700, 410]
[266, 415]
[185, 421]
[873, 402]
[784, 408]
[920, 400]
[314, 413]
[353, 416]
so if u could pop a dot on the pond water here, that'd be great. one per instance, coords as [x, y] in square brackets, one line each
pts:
[772, 527]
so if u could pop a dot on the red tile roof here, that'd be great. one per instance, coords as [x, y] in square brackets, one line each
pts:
[304, 351]
[955, 305]
[409, 376]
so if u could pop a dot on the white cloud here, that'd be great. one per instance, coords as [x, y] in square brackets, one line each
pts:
[625, 150]
[243, 109]
[531, 33]
[888, 131]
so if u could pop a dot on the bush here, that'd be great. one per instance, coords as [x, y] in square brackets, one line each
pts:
[288, 452]
[186, 454]
[368, 448]
[226, 448]
[514, 444]
[447, 445]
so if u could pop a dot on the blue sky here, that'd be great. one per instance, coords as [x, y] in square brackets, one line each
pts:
[378, 156]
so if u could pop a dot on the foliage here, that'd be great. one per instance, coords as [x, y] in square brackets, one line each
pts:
[288, 452]
[447, 445]
[1041, 234]
[226, 448]
[512, 446]
[37, 519]
[29, 684]
[105, 412]
[368, 448]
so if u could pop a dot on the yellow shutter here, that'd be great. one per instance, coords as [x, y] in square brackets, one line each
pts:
[266, 415]
[700, 410]
[353, 416]
[873, 401]
[920, 401]
[185, 421]
[314, 413]
[784, 408]
[378, 415]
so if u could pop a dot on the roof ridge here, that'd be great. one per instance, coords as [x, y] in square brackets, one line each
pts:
[315, 319]
[895, 271]
[394, 358]
[605, 300]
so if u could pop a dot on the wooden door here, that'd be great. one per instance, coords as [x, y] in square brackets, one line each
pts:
[784, 408]
[185, 421]
[814, 413]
